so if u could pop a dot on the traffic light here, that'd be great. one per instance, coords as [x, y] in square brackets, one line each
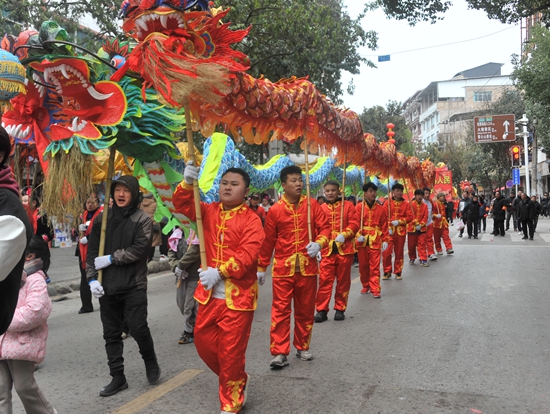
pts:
[516, 156]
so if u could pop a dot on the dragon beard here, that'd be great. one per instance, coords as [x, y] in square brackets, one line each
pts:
[179, 77]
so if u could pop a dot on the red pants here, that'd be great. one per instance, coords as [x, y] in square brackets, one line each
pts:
[221, 338]
[397, 246]
[369, 268]
[442, 234]
[299, 290]
[334, 267]
[430, 239]
[414, 240]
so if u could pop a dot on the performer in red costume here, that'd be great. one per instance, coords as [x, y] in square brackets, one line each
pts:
[372, 239]
[295, 265]
[228, 288]
[429, 225]
[441, 226]
[399, 216]
[417, 229]
[338, 255]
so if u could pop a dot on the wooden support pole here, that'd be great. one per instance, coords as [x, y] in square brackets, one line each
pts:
[196, 192]
[310, 233]
[108, 182]
[343, 191]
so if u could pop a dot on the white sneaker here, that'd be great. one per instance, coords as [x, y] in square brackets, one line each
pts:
[304, 355]
[433, 257]
[245, 389]
[440, 253]
[163, 258]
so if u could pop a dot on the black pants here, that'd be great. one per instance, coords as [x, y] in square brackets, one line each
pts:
[85, 292]
[132, 307]
[499, 227]
[528, 225]
[480, 221]
[465, 225]
[472, 226]
[511, 215]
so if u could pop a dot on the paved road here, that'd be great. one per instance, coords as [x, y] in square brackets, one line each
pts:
[469, 334]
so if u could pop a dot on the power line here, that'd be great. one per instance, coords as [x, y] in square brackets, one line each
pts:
[446, 44]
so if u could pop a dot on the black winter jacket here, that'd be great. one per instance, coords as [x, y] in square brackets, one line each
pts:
[128, 239]
[526, 210]
[499, 208]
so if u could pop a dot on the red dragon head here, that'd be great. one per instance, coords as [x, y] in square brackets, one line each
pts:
[82, 104]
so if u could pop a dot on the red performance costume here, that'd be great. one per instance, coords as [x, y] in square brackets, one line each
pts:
[375, 232]
[294, 272]
[417, 238]
[400, 211]
[441, 228]
[429, 229]
[233, 239]
[337, 257]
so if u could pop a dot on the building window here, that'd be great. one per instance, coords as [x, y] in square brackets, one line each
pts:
[483, 96]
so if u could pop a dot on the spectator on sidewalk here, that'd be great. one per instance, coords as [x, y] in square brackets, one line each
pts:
[499, 214]
[184, 257]
[537, 210]
[149, 205]
[471, 212]
[450, 211]
[123, 293]
[545, 205]
[15, 233]
[461, 207]
[23, 346]
[91, 211]
[526, 215]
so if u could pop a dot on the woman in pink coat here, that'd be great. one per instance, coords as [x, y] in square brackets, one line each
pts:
[24, 343]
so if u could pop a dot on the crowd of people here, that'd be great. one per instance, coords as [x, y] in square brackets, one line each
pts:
[523, 211]
[309, 244]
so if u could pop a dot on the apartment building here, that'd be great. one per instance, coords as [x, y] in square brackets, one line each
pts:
[441, 111]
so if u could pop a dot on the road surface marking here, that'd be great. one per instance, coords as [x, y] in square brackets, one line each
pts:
[354, 281]
[144, 400]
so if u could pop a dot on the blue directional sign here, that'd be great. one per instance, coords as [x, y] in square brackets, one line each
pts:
[384, 58]
[515, 176]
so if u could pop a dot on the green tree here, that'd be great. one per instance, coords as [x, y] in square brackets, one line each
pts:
[375, 119]
[315, 38]
[531, 76]
[507, 11]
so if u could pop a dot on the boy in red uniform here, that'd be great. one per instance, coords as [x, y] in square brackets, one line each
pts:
[429, 225]
[417, 229]
[441, 226]
[295, 266]
[372, 238]
[228, 288]
[338, 255]
[400, 216]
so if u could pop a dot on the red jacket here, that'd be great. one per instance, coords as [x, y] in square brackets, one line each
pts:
[233, 239]
[375, 225]
[351, 226]
[286, 232]
[400, 211]
[419, 215]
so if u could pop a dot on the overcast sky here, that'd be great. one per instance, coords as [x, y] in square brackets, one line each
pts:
[408, 72]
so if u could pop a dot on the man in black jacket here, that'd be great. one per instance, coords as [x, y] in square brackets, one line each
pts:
[499, 213]
[15, 233]
[123, 294]
[526, 215]
[511, 212]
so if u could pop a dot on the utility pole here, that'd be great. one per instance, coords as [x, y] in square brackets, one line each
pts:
[535, 159]
[523, 121]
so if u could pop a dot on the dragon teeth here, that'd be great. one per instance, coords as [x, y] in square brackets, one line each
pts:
[97, 95]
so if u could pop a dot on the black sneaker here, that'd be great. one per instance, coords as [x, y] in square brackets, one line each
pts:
[152, 370]
[320, 317]
[118, 383]
[186, 338]
[339, 315]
